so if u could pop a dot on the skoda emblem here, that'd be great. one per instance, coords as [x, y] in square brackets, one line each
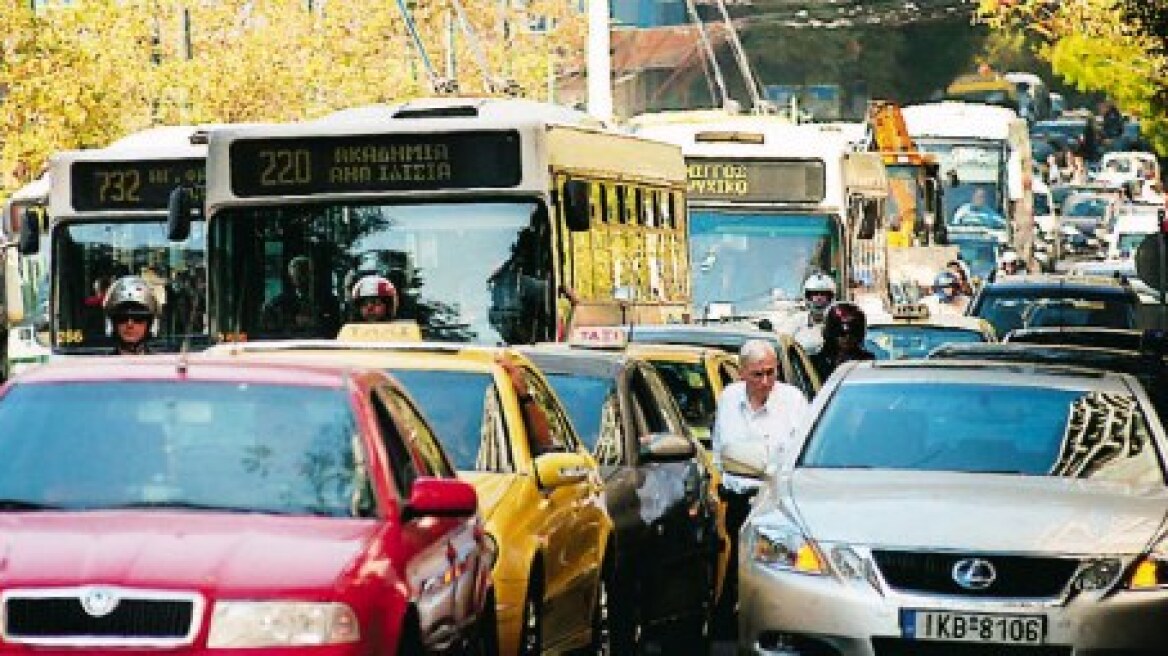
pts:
[974, 573]
[98, 602]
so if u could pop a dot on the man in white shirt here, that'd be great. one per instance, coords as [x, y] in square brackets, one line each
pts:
[758, 407]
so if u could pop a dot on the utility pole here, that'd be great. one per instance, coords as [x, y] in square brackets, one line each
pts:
[599, 61]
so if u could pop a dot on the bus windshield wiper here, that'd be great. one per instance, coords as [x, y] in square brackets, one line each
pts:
[24, 504]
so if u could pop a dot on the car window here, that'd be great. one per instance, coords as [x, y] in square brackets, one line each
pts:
[405, 468]
[727, 372]
[648, 415]
[690, 387]
[463, 409]
[895, 342]
[418, 434]
[592, 406]
[559, 428]
[988, 428]
[800, 372]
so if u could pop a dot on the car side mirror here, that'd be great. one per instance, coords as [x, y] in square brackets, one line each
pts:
[441, 497]
[667, 447]
[178, 214]
[577, 207]
[555, 470]
[749, 459]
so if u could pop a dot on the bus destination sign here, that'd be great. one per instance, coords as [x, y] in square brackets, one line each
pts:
[301, 166]
[133, 185]
[757, 180]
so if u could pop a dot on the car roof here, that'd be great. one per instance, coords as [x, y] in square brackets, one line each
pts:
[1116, 338]
[724, 337]
[1059, 354]
[446, 356]
[675, 352]
[1050, 282]
[564, 359]
[196, 368]
[984, 373]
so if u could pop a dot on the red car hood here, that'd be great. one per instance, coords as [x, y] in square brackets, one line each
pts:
[239, 554]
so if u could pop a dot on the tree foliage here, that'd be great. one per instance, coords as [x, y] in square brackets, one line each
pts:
[1116, 47]
[83, 73]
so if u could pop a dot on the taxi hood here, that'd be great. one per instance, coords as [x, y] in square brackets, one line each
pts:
[983, 512]
[244, 554]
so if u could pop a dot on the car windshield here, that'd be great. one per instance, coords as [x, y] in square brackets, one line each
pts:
[896, 342]
[466, 272]
[986, 428]
[1066, 130]
[1006, 311]
[774, 252]
[691, 387]
[980, 254]
[1095, 206]
[459, 405]
[234, 446]
[1129, 243]
[88, 256]
[589, 400]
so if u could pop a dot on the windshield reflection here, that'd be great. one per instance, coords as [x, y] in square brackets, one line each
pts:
[88, 257]
[752, 260]
[467, 272]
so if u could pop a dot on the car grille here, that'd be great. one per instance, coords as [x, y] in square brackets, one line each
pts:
[898, 647]
[59, 617]
[1026, 577]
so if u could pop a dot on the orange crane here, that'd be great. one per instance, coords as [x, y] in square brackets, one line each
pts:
[913, 178]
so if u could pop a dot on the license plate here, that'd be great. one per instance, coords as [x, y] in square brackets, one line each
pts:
[986, 628]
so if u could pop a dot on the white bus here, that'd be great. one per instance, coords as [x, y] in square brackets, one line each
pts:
[108, 210]
[985, 160]
[770, 203]
[483, 213]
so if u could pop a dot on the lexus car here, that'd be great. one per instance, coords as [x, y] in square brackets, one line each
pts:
[962, 508]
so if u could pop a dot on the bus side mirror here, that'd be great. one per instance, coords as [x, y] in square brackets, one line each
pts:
[30, 230]
[13, 294]
[577, 213]
[178, 214]
[868, 219]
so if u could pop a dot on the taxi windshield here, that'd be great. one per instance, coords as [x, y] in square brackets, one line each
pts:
[895, 342]
[1007, 310]
[88, 256]
[690, 386]
[234, 447]
[986, 428]
[462, 406]
[774, 252]
[464, 272]
[586, 399]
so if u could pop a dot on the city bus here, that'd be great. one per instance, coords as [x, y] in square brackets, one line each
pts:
[108, 210]
[770, 203]
[496, 221]
[985, 159]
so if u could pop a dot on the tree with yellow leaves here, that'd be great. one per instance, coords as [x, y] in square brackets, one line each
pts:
[83, 73]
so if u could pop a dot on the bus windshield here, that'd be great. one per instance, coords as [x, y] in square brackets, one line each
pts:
[752, 259]
[972, 175]
[88, 256]
[466, 272]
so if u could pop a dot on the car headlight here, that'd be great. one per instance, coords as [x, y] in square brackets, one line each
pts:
[1150, 573]
[281, 623]
[785, 548]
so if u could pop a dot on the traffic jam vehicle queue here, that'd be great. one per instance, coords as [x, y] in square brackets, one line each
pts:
[206, 505]
[541, 497]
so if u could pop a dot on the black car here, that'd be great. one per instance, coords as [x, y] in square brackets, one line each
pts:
[1040, 301]
[1148, 367]
[795, 366]
[658, 489]
[1108, 338]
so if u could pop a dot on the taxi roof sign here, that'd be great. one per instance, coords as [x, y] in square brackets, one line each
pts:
[599, 336]
[910, 311]
[394, 331]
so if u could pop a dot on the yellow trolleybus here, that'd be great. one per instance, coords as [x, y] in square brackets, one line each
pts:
[486, 215]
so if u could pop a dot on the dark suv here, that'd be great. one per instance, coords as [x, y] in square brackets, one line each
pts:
[1049, 300]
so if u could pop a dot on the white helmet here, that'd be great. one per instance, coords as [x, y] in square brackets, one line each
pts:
[1009, 257]
[818, 282]
[374, 287]
[130, 295]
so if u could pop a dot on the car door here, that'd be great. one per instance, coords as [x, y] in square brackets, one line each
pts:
[572, 529]
[424, 541]
[464, 549]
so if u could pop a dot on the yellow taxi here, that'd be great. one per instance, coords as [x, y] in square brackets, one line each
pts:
[539, 489]
[913, 330]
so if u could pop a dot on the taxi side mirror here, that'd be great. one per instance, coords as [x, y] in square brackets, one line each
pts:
[441, 497]
[555, 470]
[747, 459]
[577, 210]
[667, 447]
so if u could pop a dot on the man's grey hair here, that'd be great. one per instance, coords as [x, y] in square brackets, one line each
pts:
[754, 350]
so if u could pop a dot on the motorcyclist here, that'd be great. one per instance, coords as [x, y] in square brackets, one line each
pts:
[132, 307]
[819, 293]
[374, 299]
[844, 327]
[1010, 264]
[948, 297]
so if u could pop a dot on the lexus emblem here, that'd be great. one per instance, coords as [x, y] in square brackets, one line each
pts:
[98, 602]
[974, 573]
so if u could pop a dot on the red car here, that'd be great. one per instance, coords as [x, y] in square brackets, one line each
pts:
[197, 506]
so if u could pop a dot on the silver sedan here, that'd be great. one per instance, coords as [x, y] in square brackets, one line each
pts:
[962, 508]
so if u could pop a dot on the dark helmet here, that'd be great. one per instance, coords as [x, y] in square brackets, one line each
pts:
[844, 319]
